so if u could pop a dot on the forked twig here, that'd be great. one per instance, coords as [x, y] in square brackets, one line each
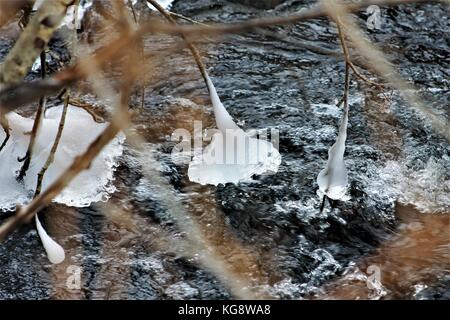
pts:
[348, 59]
[51, 156]
[86, 107]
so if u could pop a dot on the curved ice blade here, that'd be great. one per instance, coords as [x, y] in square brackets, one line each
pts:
[55, 252]
[333, 179]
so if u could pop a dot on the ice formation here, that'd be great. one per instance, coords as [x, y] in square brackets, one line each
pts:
[55, 252]
[164, 3]
[74, 14]
[92, 185]
[233, 155]
[333, 179]
[79, 131]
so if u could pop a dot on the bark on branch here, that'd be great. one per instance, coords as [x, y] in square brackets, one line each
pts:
[33, 40]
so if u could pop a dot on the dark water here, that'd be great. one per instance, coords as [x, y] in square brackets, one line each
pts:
[269, 232]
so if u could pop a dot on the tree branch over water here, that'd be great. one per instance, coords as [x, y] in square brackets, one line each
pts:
[14, 96]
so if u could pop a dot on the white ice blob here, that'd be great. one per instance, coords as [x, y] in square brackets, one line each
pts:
[74, 15]
[333, 179]
[37, 4]
[163, 3]
[55, 252]
[92, 185]
[233, 155]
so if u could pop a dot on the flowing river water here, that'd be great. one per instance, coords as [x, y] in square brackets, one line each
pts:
[389, 240]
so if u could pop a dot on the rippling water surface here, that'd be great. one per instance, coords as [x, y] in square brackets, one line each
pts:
[269, 232]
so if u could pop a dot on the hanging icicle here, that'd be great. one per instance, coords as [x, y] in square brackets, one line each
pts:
[55, 252]
[333, 179]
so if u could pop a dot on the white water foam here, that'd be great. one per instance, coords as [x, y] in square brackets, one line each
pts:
[427, 189]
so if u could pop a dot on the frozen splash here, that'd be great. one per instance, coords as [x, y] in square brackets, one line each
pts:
[225, 161]
[233, 155]
[92, 185]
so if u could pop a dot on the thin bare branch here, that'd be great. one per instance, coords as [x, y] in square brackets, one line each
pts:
[14, 96]
[141, 50]
[36, 126]
[130, 4]
[88, 108]
[252, 24]
[179, 16]
[192, 47]
[313, 48]
[51, 156]
[349, 60]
